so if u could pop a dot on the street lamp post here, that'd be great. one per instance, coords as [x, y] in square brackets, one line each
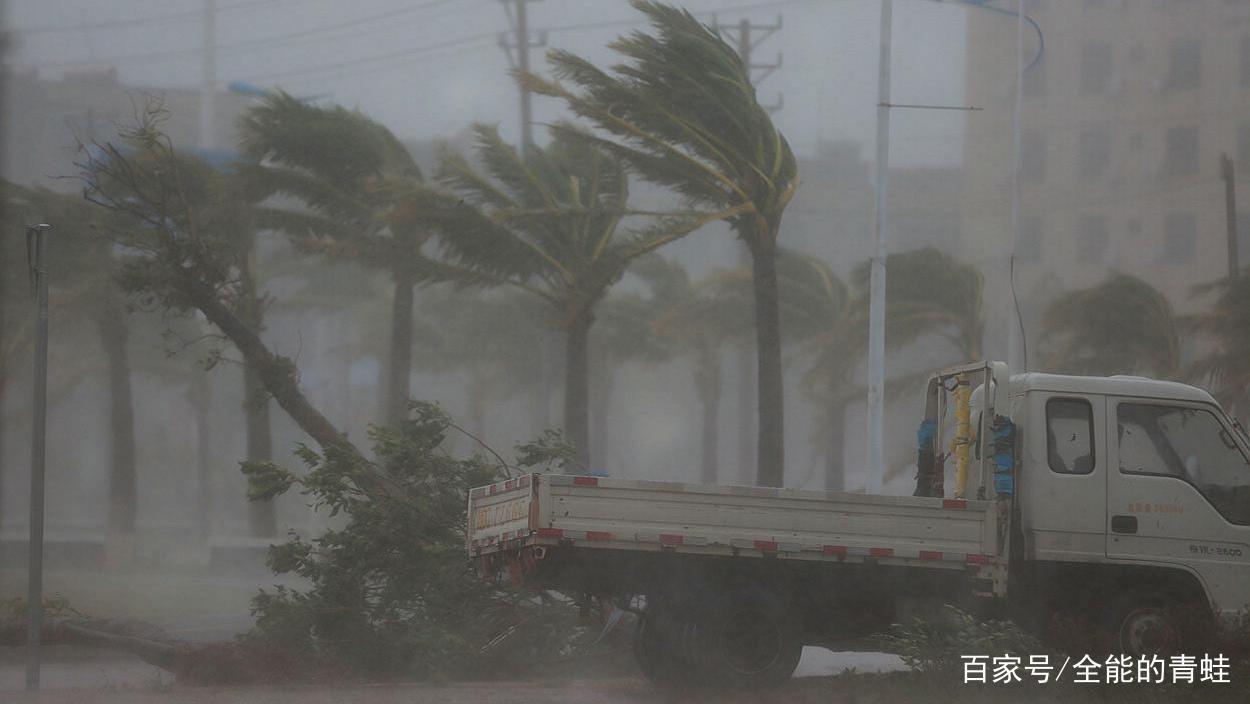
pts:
[37, 249]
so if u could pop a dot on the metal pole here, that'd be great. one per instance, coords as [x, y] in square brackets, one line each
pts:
[209, 77]
[876, 308]
[523, 62]
[1015, 362]
[37, 246]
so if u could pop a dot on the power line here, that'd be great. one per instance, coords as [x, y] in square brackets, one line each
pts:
[156, 19]
[264, 41]
[373, 59]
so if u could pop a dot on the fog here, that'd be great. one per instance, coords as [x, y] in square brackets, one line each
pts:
[1127, 109]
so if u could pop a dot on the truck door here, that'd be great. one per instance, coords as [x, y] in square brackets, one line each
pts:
[1179, 493]
[1063, 492]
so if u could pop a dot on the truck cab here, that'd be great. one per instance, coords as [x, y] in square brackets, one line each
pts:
[1134, 497]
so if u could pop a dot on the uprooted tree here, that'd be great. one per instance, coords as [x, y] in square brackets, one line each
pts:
[392, 592]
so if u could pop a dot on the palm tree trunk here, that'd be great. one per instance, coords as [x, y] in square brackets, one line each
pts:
[477, 405]
[603, 404]
[201, 402]
[771, 468]
[3, 383]
[708, 383]
[122, 480]
[399, 364]
[835, 439]
[577, 387]
[262, 519]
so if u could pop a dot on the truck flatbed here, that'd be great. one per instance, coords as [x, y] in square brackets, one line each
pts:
[732, 521]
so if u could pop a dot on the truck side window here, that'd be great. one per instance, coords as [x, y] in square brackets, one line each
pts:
[1190, 444]
[1069, 436]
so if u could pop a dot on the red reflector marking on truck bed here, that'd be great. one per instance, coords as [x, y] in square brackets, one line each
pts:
[671, 539]
[839, 550]
[978, 559]
[881, 552]
[586, 481]
[766, 545]
[930, 555]
[509, 485]
[598, 535]
[550, 533]
[954, 503]
[494, 489]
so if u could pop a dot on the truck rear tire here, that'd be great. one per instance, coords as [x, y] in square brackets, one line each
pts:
[659, 645]
[747, 638]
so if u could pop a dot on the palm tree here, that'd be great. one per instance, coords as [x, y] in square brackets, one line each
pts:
[698, 318]
[1121, 326]
[549, 224]
[492, 338]
[683, 113]
[931, 291]
[1226, 369]
[342, 170]
[89, 291]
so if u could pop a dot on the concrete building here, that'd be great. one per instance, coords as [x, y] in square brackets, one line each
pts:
[43, 121]
[1125, 117]
[831, 214]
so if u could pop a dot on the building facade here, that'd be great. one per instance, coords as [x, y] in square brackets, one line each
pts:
[1125, 117]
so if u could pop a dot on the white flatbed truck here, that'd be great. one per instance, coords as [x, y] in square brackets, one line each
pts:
[1121, 499]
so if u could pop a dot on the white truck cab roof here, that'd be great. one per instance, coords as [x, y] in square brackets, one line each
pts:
[1108, 385]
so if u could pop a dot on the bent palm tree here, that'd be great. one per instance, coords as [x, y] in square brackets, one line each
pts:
[343, 171]
[1121, 326]
[930, 291]
[550, 224]
[1226, 369]
[683, 114]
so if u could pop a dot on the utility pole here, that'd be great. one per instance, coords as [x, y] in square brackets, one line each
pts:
[521, 42]
[1229, 173]
[1015, 333]
[877, 274]
[209, 79]
[876, 284]
[36, 251]
[747, 41]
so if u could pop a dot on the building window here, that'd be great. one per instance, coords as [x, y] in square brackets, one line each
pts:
[1185, 64]
[1095, 68]
[1245, 61]
[1095, 154]
[1092, 240]
[1180, 235]
[1033, 156]
[1029, 248]
[1243, 146]
[1181, 157]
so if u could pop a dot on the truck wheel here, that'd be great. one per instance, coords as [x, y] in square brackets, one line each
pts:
[659, 645]
[1142, 624]
[749, 638]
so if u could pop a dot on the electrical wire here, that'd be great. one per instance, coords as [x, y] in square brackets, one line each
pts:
[261, 42]
[155, 19]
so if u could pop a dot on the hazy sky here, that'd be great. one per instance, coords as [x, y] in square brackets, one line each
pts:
[426, 68]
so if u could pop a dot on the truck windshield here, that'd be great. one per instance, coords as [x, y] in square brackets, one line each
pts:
[1190, 444]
